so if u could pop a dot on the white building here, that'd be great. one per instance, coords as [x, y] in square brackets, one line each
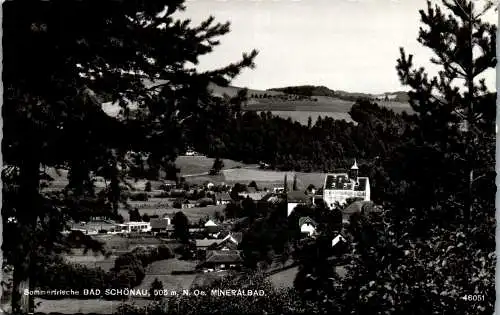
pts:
[136, 227]
[307, 226]
[338, 187]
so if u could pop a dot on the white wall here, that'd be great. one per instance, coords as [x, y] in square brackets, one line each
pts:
[307, 228]
[291, 206]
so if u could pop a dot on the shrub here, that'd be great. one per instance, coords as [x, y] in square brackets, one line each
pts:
[141, 196]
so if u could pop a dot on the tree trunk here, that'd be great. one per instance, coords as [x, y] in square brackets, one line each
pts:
[27, 219]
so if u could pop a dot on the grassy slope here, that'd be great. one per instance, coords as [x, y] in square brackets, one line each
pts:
[301, 110]
[200, 164]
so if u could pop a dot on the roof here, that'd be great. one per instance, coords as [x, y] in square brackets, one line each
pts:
[159, 223]
[210, 223]
[355, 166]
[223, 196]
[234, 236]
[256, 196]
[337, 239]
[207, 242]
[223, 256]
[307, 220]
[297, 196]
[338, 181]
[362, 182]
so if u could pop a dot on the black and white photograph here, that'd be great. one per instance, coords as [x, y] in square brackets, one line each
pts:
[182, 157]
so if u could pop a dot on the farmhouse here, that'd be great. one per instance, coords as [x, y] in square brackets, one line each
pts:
[295, 198]
[254, 195]
[229, 242]
[136, 227]
[307, 226]
[221, 260]
[95, 226]
[163, 225]
[211, 227]
[205, 243]
[339, 187]
[222, 198]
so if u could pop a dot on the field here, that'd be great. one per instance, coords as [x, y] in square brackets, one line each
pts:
[200, 164]
[162, 270]
[267, 178]
[324, 107]
[300, 110]
[151, 207]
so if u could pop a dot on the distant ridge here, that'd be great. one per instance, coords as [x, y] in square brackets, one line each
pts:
[312, 90]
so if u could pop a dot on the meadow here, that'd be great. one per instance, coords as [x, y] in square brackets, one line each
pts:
[162, 270]
[300, 110]
[200, 164]
[272, 178]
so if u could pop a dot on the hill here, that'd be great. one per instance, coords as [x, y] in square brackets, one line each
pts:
[311, 90]
[311, 101]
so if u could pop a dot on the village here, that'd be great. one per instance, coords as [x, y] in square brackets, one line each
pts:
[215, 238]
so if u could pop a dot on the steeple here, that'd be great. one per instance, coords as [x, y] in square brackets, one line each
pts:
[355, 166]
[354, 171]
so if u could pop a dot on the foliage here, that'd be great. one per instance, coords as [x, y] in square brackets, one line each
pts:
[63, 59]
[217, 166]
[157, 285]
[433, 243]
[275, 301]
[181, 227]
[134, 215]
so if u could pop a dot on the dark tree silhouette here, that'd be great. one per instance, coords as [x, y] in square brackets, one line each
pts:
[62, 60]
[181, 227]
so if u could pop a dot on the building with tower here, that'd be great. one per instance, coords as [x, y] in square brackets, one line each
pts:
[338, 187]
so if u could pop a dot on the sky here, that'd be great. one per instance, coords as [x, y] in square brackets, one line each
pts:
[349, 45]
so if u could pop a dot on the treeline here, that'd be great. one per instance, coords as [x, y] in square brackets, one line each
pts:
[286, 145]
[311, 90]
[306, 90]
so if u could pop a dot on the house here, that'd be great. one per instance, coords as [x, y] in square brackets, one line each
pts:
[95, 226]
[211, 227]
[338, 187]
[229, 242]
[136, 227]
[295, 198]
[210, 185]
[307, 226]
[188, 205]
[163, 225]
[278, 190]
[168, 185]
[253, 194]
[205, 243]
[338, 240]
[221, 260]
[222, 198]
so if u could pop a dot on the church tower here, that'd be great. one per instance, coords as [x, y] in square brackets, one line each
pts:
[354, 171]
